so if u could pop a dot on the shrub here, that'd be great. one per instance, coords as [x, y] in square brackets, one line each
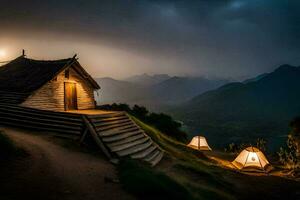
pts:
[261, 144]
[140, 112]
[232, 148]
[115, 107]
[167, 125]
[237, 148]
[289, 157]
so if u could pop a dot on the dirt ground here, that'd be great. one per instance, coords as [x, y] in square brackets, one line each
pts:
[231, 184]
[51, 171]
[61, 170]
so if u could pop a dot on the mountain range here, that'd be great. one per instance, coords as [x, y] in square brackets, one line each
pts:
[258, 107]
[155, 92]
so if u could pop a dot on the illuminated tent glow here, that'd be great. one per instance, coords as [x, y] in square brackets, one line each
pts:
[251, 158]
[199, 143]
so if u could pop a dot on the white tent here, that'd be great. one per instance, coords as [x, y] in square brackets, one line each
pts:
[199, 143]
[250, 159]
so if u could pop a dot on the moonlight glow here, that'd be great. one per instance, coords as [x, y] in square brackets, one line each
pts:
[2, 53]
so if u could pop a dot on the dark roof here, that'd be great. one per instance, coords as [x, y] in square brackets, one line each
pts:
[24, 75]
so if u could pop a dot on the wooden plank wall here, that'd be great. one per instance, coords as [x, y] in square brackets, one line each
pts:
[51, 95]
[85, 92]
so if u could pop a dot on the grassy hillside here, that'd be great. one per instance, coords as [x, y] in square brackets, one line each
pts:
[182, 163]
[192, 175]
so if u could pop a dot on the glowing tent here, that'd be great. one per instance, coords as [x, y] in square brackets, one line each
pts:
[199, 143]
[251, 159]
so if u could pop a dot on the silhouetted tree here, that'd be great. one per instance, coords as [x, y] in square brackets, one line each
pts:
[140, 111]
[166, 124]
[290, 156]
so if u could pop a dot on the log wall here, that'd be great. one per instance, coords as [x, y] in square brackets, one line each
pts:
[51, 95]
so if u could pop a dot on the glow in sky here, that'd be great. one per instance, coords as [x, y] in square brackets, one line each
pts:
[2, 53]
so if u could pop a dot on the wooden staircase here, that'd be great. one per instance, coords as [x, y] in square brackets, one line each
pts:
[115, 133]
[65, 124]
[123, 138]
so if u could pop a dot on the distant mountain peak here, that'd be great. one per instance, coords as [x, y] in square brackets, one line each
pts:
[106, 78]
[286, 67]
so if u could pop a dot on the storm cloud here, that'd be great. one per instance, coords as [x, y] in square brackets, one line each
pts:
[217, 38]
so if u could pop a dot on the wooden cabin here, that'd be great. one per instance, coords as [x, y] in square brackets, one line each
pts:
[56, 85]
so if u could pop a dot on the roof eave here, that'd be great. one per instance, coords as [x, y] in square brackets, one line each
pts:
[87, 76]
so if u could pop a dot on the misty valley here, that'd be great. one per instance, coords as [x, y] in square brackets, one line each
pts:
[222, 110]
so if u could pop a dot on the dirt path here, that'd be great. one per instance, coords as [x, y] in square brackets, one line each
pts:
[54, 172]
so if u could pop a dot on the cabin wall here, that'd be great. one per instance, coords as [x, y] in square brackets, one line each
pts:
[48, 97]
[51, 95]
[85, 92]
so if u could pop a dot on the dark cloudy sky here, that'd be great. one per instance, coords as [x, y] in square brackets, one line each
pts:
[215, 38]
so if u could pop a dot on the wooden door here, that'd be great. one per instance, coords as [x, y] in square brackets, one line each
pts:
[70, 96]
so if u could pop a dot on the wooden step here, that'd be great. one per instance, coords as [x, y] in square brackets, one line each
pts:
[129, 144]
[109, 119]
[102, 124]
[156, 159]
[126, 140]
[135, 149]
[122, 136]
[112, 132]
[144, 153]
[113, 126]
[151, 155]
